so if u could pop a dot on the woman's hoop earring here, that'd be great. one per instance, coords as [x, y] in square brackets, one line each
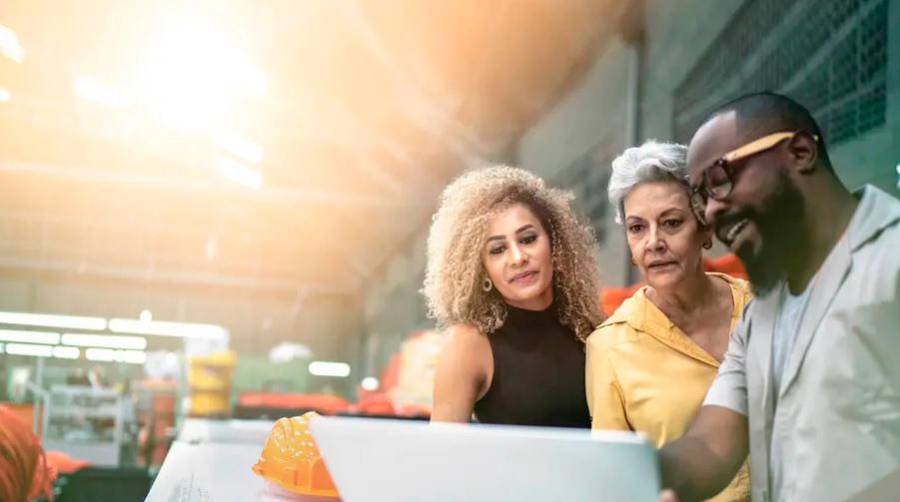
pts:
[707, 244]
[487, 285]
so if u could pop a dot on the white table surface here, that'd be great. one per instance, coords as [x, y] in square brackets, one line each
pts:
[198, 430]
[210, 462]
[209, 472]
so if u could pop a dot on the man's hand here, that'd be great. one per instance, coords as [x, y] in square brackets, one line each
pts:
[668, 496]
[703, 461]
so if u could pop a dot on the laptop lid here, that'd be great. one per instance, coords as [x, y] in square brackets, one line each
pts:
[374, 460]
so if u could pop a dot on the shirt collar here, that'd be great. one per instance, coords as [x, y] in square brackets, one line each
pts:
[645, 317]
[876, 211]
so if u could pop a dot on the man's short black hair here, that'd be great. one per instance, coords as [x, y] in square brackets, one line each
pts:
[769, 111]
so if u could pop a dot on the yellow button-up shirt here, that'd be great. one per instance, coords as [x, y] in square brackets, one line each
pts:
[644, 374]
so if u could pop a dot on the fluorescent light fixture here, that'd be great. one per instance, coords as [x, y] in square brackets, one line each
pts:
[165, 328]
[4, 95]
[100, 354]
[239, 173]
[330, 369]
[369, 383]
[53, 321]
[66, 352]
[241, 148]
[93, 89]
[10, 46]
[109, 355]
[44, 337]
[288, 351]
[24, 349]
[105, 341]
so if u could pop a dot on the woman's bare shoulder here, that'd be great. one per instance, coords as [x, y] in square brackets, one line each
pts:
[466, 359]
[466, 337]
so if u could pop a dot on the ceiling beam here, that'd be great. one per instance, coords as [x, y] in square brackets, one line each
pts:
[192, 278]
[287, 196]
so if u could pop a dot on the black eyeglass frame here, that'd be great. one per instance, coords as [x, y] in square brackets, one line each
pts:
[706, 190]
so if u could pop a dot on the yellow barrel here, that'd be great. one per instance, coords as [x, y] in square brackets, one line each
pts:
[209, 382]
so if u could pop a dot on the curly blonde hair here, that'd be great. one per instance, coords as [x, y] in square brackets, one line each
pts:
[455, 272]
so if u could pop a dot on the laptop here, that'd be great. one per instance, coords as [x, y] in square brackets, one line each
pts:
[375, 460]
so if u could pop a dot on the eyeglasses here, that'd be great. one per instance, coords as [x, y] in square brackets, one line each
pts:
[717, 180]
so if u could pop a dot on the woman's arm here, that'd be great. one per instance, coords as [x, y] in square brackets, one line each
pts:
[463, 375]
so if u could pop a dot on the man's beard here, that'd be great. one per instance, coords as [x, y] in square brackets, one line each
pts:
[783, 238]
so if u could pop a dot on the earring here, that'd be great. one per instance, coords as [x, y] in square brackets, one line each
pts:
[487, 285]
[707, 244]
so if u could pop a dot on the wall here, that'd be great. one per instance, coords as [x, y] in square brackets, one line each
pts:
[394, 306]
[573, 142]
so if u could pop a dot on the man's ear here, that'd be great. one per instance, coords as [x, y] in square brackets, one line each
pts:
[804, 153]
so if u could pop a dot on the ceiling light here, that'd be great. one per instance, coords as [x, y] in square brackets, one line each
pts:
[4, 95]
[53, 321]
[288, 351]
[109, 355]
[66, 352]
[330, 369]
[22, 349]
[45, 337]
[100, 354]
[369, 384]
[165, 328]
[105, 341]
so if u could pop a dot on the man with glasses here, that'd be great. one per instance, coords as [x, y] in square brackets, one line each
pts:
[811, 380]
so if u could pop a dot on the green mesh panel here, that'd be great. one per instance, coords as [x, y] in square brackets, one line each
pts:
[830, 56]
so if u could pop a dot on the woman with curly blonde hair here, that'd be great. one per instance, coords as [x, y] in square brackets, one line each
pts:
[512, 275]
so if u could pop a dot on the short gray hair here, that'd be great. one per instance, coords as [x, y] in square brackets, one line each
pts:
[652, 161]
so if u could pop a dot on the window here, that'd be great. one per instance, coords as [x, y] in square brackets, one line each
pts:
[830, 56]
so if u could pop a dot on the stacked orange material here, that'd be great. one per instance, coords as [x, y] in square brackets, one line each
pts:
[157, 416]
[64, 464]
[291, 460]
[415, 382]
[325, 404]
[374, 403]
[727, 264]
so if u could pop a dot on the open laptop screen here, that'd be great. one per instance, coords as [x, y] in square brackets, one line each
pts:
[385, 460]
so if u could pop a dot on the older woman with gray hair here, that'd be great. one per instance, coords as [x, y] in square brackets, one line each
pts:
[649, 365]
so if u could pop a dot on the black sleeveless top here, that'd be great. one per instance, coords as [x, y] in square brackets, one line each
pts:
[538, 373]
